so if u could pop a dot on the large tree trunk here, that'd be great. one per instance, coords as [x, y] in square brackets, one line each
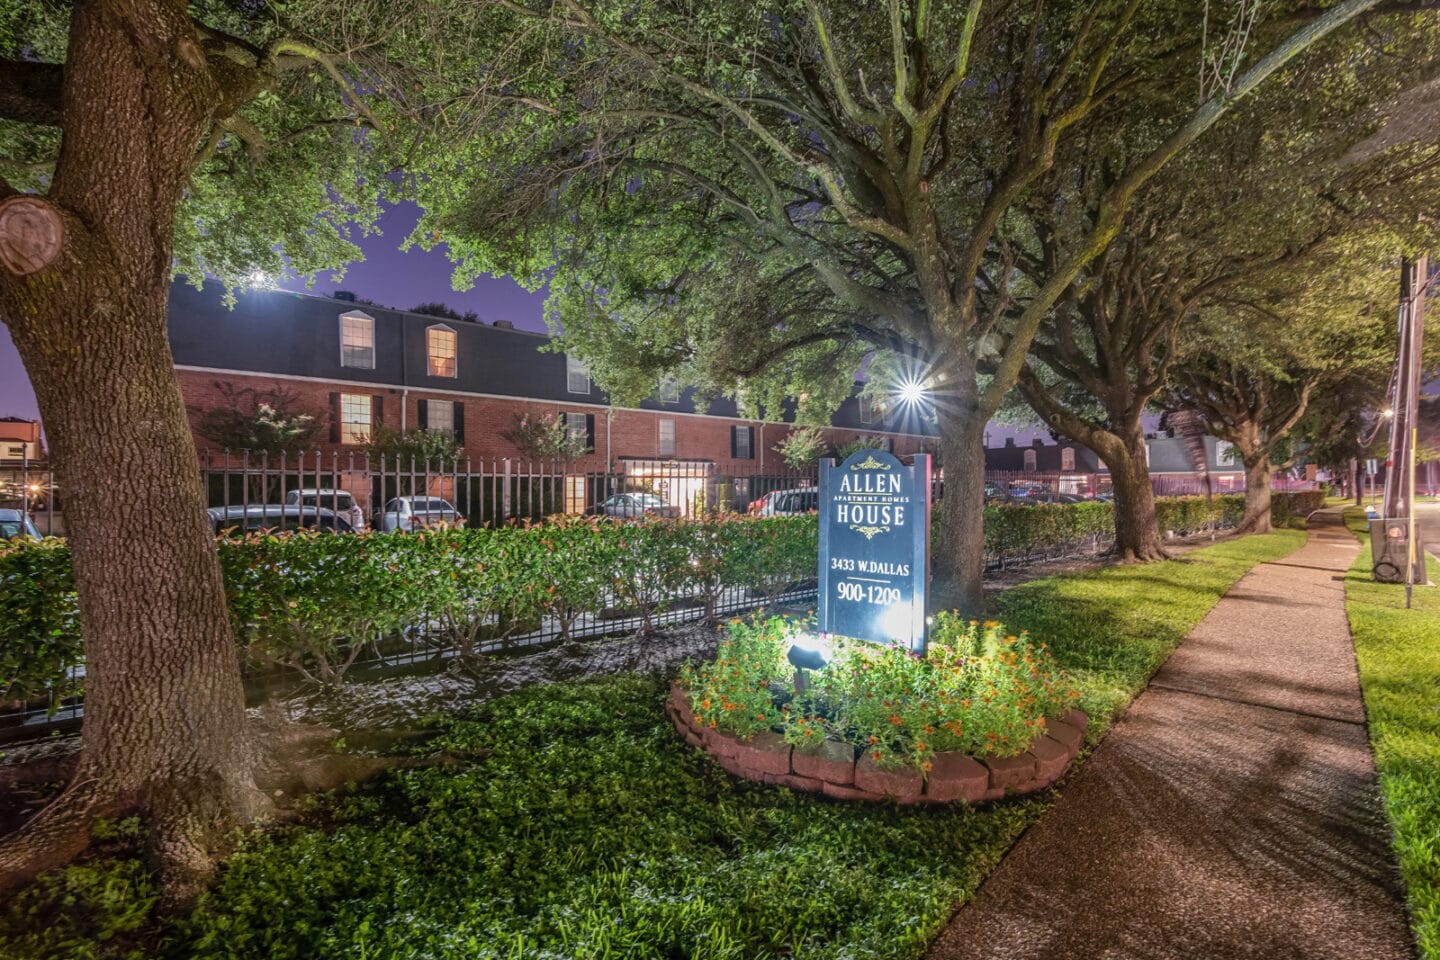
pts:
[164, 729]
[960, 553]
[1137, 532]
[1257, 494]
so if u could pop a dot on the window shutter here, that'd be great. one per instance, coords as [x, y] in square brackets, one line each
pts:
[334, 418]
[377, 414]
[590, 431]
[424, 406]
[734, 443]
[459, 421]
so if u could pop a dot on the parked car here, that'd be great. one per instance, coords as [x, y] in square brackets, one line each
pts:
[16, 523]
[787, 502]
[258, 517]
[626, 506]
[1025, 488]
[758, 504]
[408, 514]
[1046, 496]
[337, 501]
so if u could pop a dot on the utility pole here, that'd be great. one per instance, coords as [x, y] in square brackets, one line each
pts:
[1398, 510]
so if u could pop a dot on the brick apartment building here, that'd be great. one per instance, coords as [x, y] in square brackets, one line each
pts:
[360, 367]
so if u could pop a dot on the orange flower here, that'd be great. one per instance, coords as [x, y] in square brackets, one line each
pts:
[895, 719]
[874, 739]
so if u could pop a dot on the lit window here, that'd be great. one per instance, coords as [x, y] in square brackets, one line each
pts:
[577, 375]
[667, 438]
[354, 418]
[669, 390]
[357, 341]
[440, 416]
[867, 410]
[1067, 458]
[1030, 460]
[440, 344]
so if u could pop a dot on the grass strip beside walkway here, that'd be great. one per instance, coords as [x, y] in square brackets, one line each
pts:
[579, 825]
[1398, 652]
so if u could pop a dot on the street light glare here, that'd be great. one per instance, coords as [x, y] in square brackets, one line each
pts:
[911, 392]
[1388, 413]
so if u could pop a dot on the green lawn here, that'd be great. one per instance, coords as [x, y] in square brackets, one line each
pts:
[578, 825]
[1398, 651]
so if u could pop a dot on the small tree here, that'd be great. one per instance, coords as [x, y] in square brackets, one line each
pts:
[421, 447]
[271, 421]
[802, 447]
[545, 436]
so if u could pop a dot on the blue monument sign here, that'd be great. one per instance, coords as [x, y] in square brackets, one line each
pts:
[875, 548]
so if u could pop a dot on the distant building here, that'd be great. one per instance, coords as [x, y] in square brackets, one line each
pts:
[1075, 468]
[361, 367]
[20, 439]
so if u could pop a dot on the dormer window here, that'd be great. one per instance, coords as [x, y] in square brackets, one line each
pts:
[1030, 461]
[867, 410]
[577, 375]
[440, 349]
[357, 340]
[1067, 458]
[669, 390]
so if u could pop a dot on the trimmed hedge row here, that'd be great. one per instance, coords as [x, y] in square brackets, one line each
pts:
[311, 603]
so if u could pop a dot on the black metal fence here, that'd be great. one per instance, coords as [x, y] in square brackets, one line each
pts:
[484, 491]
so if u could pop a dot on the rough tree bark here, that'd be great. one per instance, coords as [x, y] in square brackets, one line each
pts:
[164, 729]
[1257, 491]
[960, 556]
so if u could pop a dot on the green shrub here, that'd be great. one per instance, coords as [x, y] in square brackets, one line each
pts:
[976, 689]
[40, 620]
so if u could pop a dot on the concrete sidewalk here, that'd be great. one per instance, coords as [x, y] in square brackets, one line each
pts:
[1232, 812]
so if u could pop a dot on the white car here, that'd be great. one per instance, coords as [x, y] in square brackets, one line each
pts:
[336, 501]
[416, 513]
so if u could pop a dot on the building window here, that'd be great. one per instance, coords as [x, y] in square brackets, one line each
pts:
[354, 418]
[357, 341]
[742, 445]
[867, 409]
[669, 390]
[1224, 453]
[440, 416]
[1030, 461]
[667, 438]
[577, 375]
[1067, 458]
[440, 345]
[577, 427]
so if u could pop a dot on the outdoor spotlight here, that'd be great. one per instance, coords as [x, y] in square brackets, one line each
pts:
[808, 651]
[1388, 413]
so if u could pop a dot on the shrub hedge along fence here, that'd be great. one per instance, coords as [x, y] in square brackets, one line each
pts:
[311, 603]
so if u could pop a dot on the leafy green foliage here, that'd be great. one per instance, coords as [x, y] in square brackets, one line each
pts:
[312, 602]
[976, 689]
[41, 614]
[802, 447]
[1398, 653]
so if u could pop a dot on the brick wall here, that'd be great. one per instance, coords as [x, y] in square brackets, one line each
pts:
[633, 434]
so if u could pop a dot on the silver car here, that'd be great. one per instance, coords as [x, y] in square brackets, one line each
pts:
[337, 501]
[409, 514]
[16, 523]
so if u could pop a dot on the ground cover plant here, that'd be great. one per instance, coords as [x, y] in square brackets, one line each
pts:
[571, 821]
[1398, 653]
[976, 689]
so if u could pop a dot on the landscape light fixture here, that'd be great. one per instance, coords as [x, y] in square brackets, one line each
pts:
[809, 651]
[1387, 413]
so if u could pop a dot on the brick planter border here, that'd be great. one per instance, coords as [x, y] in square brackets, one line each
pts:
[766, 758]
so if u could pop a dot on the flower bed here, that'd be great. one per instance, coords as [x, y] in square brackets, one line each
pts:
[981, 714]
